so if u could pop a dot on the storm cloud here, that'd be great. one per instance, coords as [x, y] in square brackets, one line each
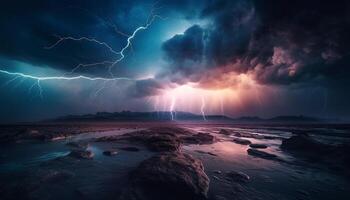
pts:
[296, 47]
[277, 42]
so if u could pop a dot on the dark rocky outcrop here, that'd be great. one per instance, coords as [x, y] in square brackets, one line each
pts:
[241, 141]
[199, 138]
[110, 152]
[258, 146]
[81, 154]
[224, 132]
[303, 143]
[336, 157]
[170, 176]
[163, 139]
[262, 154]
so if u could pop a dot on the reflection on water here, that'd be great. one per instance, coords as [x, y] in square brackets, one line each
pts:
[26, 165]
[270, 179]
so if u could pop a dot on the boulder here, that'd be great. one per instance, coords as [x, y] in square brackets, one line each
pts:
[81, 154]
[170, 176]
[158, 141]
[241, 141]
[224, 132]
[261, 154]
[303, 143]
[110, 153]
[258, 146]
[199, 138]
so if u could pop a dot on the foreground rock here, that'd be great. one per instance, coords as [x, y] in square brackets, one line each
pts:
[158, 140]
[110, 152]
[261, 154]
[171, 176]
[241, 141]
[199, 138]
[304, 143]
[258, 146]
[224, 132]
[163, 139]
[81, 154]
[335, 157]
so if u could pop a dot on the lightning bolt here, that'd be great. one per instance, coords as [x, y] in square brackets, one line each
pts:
[202, 109]
[172, 106]
[38, 79]
[121, 54]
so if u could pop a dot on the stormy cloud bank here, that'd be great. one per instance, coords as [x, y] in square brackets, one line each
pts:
[291, 45]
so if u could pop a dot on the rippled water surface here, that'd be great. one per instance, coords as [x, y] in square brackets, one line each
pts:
[24, 167]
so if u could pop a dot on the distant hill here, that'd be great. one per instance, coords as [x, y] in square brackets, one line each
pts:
[183, 116]
[140, 116]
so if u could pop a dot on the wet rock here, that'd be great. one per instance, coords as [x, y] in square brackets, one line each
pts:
[237, 176]
[261, 154]
[170, 176]
[303, 142]
[336, 157]
[258, 146]
[158, 141]
[133, 149]
[110, 153]
[224, 132]
[79, 145]
[241, 141]
[81, 154]
[199, 138]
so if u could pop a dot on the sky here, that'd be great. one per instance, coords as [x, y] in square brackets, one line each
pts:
[231, 57]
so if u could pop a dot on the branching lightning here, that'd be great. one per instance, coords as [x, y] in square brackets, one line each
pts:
[38, 79]
[120, 55]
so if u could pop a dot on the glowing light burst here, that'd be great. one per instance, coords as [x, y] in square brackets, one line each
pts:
[191, 99]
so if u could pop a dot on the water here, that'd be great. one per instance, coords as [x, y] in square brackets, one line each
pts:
[26, 168]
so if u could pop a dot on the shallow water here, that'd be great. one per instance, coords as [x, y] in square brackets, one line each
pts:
[23, 166]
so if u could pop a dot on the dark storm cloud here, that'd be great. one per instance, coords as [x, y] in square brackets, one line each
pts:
[146, 87]
[278, 42]
[27, 27]
[185, 51]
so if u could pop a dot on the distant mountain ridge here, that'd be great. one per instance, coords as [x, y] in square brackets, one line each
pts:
[182, 116]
